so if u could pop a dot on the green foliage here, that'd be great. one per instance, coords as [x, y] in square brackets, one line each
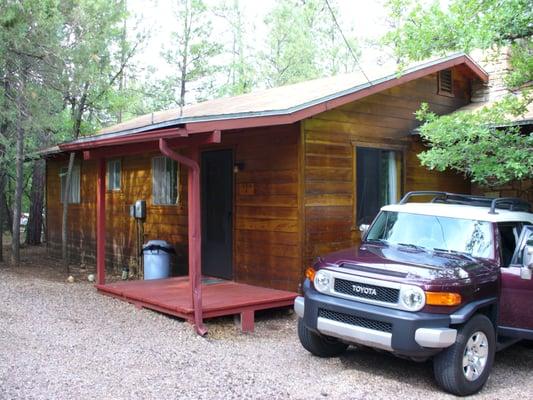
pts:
[239, 73]
[304, 43]
[190, 53]
[484, 144]
[59, 64]
[429, 29]
[469, 142]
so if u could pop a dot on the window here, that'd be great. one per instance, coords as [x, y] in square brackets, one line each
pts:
[74, 192]
[378, 182]
[445, 82]
[509, 234]
[524, 240]
[165, 181]
[113, 174]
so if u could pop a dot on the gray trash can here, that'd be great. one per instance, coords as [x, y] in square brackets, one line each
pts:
[156, 256]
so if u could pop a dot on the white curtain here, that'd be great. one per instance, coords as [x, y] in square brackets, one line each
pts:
[164, 181]
[74, 195]
[393, 180]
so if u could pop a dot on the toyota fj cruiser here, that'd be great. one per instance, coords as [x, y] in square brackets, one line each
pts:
[448, 279]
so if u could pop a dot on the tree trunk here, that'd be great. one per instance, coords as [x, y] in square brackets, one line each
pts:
[64, 217]
[2, 207]
[8, 215]
[17, 200]
[35, 221]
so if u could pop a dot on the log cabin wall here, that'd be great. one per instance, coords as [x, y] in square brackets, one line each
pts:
[384, 120]
[267, 248]
[167, 222]
[267, 242]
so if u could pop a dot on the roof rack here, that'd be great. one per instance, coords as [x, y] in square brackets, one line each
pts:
[507, 203]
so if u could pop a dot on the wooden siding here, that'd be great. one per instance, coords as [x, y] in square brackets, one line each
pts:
[293, 199]
[267, 248]
[383, 120]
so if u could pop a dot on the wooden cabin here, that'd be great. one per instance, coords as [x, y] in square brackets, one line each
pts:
[286, 174]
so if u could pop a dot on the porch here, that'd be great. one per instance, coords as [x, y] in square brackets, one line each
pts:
[172, 296]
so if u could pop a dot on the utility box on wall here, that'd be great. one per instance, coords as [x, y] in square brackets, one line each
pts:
[138, 210]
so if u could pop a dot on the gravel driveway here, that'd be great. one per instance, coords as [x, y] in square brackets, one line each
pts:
[65, 341]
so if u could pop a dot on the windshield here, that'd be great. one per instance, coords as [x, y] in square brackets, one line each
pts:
[433, 233]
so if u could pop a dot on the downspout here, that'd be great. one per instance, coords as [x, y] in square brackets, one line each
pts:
[195, 239]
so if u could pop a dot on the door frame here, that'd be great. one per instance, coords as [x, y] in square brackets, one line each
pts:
[233, 150]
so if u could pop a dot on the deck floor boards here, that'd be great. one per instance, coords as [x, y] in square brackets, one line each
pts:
[172, 296]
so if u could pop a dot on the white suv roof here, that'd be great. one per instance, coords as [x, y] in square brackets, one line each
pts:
[461, 211]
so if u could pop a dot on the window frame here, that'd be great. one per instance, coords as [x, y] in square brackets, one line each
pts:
[108, 175]
[398, 147]
[72, 198]
[154, 183]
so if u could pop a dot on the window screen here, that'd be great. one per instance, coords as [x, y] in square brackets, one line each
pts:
[113, 174]
[378, 181]
[74, 192]
[165, 181]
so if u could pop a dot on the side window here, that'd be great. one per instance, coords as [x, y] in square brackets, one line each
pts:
[74, 192]
[509, 232]
[379, 181]
[113, 174]
[525, 238]
[165, 181]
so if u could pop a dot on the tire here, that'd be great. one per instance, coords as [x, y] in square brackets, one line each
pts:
[448, 365]
[319, 345]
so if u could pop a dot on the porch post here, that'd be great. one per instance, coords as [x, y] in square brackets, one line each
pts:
[195, 241]
[195, 238]
[100, 222]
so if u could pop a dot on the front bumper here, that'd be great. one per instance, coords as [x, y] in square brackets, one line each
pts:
[401, 332]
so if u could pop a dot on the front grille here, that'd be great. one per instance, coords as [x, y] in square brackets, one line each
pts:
[357, 321]
[366, 291]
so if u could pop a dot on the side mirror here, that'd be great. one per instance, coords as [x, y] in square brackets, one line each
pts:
[363, 228]
[526, 271]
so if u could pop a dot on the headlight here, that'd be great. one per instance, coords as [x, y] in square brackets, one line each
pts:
[412, 298]
[322, 280]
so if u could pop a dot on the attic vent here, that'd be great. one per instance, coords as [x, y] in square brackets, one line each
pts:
[445, 82]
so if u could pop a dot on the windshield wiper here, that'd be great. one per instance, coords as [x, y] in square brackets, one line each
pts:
[455, 252]
[412, 246]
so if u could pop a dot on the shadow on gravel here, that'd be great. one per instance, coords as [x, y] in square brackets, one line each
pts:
[407, 372]
[510, 365]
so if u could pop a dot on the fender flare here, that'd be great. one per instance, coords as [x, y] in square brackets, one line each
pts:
[465, 313]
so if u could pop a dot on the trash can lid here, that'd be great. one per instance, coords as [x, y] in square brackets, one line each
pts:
[158, 243]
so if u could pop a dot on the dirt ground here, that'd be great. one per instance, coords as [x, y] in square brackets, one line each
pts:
[62, 340]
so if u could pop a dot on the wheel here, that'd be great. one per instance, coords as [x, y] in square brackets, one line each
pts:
[319, 345]
[463, 368]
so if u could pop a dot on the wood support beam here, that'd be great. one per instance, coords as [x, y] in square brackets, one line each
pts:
[100, 222]
[195, 233]
[151, 146]
[113, 140]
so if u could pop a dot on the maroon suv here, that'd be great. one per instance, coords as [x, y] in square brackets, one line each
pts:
[448, 279]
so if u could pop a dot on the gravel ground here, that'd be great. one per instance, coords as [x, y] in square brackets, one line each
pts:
[65, 341]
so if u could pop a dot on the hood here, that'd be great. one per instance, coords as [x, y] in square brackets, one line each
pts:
[405, 263]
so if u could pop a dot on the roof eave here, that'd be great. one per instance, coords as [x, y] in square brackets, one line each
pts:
[277, 117]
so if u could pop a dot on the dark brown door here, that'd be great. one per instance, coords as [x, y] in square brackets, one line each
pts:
[217, 217]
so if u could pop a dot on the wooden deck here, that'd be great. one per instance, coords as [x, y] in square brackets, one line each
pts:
[219, 297]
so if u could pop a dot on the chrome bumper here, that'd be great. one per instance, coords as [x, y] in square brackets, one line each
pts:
[425, 337]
